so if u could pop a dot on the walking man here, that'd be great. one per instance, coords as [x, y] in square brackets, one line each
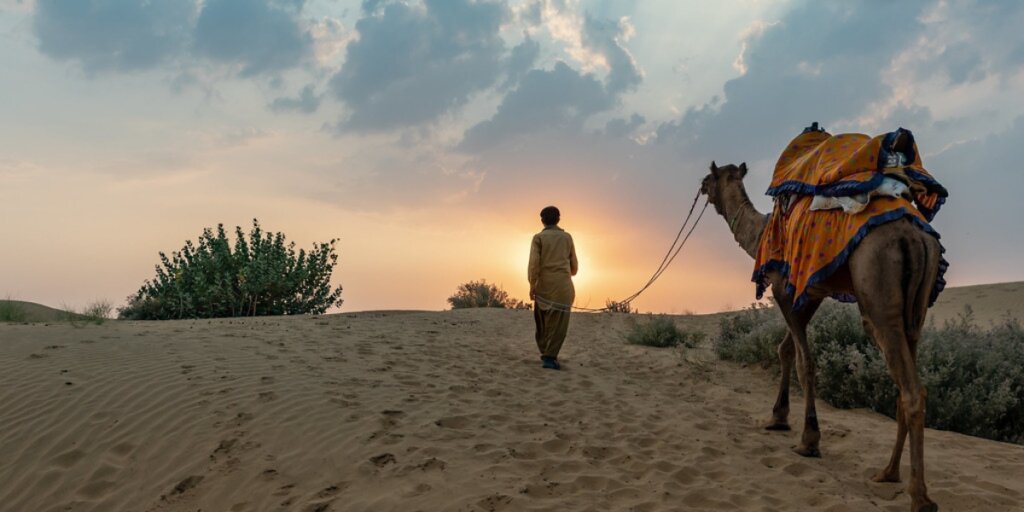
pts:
[552, 265]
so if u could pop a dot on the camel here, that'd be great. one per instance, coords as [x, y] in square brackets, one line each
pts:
[891, 273]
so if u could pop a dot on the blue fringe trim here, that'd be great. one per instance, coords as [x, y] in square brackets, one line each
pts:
[841, 188]
[782, 267]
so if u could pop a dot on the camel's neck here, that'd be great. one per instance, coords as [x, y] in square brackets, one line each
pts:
[745, 222]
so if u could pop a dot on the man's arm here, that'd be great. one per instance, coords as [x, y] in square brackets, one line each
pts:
[574, 265]
[533, 272]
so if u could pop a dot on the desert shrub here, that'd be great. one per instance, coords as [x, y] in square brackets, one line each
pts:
[751, 336]
[661, 331]
[618, 307]
[481, 294]
[254, 276]
[98, 311]
[11, 311]
[851, 371]
[974, 376]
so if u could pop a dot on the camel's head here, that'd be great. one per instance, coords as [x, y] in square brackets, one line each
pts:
[721, 181]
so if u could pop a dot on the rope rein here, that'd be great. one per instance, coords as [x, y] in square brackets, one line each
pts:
[670, 256]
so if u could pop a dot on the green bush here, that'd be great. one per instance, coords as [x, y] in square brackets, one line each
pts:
[974, 376]
[975, 379]
[851, 371]
[11, 311]
[661, 331]
[751, 336]
[481, 294]
[96, 312]
[258, 275]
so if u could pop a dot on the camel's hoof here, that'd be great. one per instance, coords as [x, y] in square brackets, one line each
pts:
[886, 477]
[777, 425]
[808, 451]
[927, 507]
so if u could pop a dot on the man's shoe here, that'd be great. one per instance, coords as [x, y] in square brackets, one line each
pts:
[550, 363]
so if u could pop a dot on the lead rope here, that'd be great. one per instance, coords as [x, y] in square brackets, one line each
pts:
[670, 256]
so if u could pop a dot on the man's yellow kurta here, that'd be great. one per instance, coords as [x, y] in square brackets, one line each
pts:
[552, 265]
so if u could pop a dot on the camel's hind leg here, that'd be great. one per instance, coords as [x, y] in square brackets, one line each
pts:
[891, 473]
[892, 276]
[780, 412]
[903, 370]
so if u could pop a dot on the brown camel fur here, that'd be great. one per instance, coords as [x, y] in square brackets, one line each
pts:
[891, 272]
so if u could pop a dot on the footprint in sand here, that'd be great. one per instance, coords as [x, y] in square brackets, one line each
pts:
[383, 460]
[96, 489]
[188, 483]
[456, 422]
[123, 449]
[68, 459]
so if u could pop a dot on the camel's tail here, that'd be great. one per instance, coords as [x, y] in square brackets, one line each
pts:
[920, 272]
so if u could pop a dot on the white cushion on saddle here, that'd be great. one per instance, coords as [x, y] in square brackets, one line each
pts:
[890, 187]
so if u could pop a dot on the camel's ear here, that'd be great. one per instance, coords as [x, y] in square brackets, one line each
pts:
[743, 170]
[714, 169]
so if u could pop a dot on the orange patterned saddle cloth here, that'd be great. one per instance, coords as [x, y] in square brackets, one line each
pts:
[808, 245]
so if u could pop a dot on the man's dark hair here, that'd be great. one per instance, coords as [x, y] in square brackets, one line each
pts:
[550, 216]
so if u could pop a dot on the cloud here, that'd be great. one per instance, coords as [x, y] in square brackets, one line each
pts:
[307, 102]
[261, 36]
[256, 36]
[619, 127]
[413, 64]
[799, 70]
[559, 98]
[562, 98]
[604, 37]
[520, 61]
[113, 35]
[974, 39]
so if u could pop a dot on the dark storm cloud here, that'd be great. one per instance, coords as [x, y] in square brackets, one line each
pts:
[824, 61]
[259, 35]
[410, 64]
[115, 35]
[307, 102]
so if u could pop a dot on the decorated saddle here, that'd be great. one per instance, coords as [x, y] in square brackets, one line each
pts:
[830, 191]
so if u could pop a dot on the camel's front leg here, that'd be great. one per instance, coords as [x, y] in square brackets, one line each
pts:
[780, 412]
[797, 321]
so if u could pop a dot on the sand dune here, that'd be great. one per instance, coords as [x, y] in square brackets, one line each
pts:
[428, 411]
[989, 302]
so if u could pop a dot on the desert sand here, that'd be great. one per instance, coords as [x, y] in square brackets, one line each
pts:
[428, 411]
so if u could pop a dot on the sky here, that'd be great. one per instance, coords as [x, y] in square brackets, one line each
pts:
[426, 135]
